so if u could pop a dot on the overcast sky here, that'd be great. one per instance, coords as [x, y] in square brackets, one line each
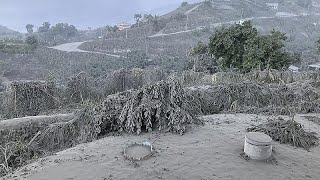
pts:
[15, 14]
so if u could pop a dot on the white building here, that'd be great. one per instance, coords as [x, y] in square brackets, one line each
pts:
[123, 26]
[273, 5]
[315, 3]
[314, 66]
[293, 68]
[240, 22]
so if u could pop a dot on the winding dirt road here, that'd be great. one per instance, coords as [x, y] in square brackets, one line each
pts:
[74, 47]
[278, 15]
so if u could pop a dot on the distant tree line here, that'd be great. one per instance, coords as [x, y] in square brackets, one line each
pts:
[148, 19]
[47, 34]
[304, 3]
[104, 31]
[183, 4]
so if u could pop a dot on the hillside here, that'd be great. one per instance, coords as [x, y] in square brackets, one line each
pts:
[8, 33]
[167, 41]
[181, 29]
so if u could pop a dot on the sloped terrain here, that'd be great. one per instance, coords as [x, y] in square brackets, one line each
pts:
[8, 33]
[168, 48]
[300, 23]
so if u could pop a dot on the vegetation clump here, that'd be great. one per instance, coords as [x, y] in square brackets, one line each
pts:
[15, 46]
[161, 106]
[14, 155]
[287, 132]
[58, 136]
[30, 98]
[79, 88]
[32, 41]
[183, 4]
[240, 46]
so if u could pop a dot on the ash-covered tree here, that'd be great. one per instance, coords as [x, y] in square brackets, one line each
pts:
[155, 23]
[199, 49]
[229, 43]
[266, 52]
[32, 41]
[44, 28]
[29, 28]
[148, 18]
[208, 3]
[201, 60]
[79, 88]
[158, 23]
[2, 45]
[304, 3]
[240, 46]
[179, 16]
[183, 4]
[64, 30]
[111, 29]
[138, 58]
[137, 17]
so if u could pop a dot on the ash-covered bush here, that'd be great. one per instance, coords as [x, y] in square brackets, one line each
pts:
[29, 98]
[58, 136]
[14, 155]
[253, 98]
[288, 132]
[125, 79]
[79, 88]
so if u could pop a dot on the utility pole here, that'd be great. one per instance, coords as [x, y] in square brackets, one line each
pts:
[147, 45]
[70, 66]
[187, 22]
[242, 13]
[126, 33]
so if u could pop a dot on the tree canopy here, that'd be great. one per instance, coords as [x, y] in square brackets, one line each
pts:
[207, 3]
[32, 41]
[199, 49]
[44, 28]
[59, 32]
[137, 17]
[148, 18]
[183, 4]
[29, 28]
[138, 58]
[240, 46]
[64, 30]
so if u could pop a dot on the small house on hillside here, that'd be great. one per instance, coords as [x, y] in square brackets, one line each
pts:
[316, 3]
[273, 5]
[293, 68]
[123, 26]
[315, 66]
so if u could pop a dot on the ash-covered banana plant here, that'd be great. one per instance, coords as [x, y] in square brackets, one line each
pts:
[162, 106]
